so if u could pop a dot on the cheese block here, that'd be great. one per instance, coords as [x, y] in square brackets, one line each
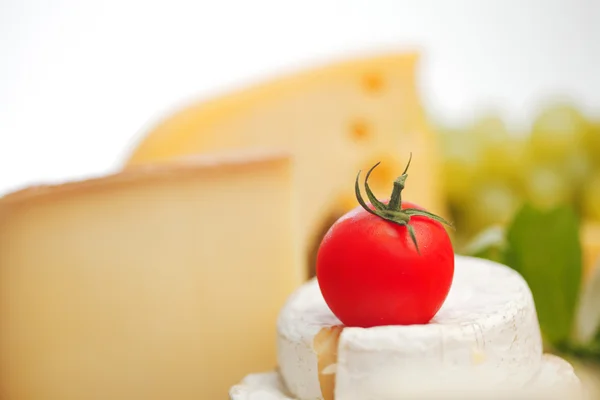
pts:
[487, 331]
[555, 379]
[161, 282]
[335, 119]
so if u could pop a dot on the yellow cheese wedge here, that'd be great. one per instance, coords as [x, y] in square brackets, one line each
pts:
[590, 240]
[159, 283]
[336, 120]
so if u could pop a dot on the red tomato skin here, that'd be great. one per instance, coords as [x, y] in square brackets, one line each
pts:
[371, 274]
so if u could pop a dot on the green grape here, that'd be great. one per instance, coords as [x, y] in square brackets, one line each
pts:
[577, 168]
[504, 162]
[460, 165]
[591, 142]
[547, 187]
[491, 203]
[459, 177]
[591, 197]
[489, 131]
[556, 133]
[501, 155]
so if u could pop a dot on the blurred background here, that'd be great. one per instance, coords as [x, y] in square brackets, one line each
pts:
[81, 80]
[511, 89]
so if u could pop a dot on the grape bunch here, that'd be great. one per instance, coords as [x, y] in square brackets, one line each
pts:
[490, 171]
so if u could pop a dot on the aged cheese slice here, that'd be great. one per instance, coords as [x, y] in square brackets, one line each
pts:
[487, 331]
[159, 283]
[555, 380]
[335, 120]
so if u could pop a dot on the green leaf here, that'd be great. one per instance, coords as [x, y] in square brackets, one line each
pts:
[544, 247]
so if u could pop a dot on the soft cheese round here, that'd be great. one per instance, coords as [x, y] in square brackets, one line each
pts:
[555, 379]
[486, 331]
[263, 386]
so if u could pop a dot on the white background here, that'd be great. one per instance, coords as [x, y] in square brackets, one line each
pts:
[79, 81]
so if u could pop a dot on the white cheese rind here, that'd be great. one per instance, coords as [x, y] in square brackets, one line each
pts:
[555, 379]
[487, 331]
[264, 386]
[303, 316]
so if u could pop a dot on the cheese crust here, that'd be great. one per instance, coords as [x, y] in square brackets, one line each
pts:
[486, 332]
[555, 380]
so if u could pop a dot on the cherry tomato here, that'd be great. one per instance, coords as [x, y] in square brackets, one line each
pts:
[371, 273]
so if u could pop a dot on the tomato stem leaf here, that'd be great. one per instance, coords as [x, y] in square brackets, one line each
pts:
[423, 213]
[411, 232]
[378, 205]
[359, 197]
[393, 211]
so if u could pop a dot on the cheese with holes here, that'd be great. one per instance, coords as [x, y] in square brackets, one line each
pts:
[161, 282]
[487, 331]
[554, 380]
[336, 120]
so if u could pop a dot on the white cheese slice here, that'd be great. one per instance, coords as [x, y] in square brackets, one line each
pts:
[555, 379]
[487, 331]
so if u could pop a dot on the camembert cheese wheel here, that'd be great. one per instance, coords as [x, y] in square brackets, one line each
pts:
[161, 282]
[487, 331]
[555, 380]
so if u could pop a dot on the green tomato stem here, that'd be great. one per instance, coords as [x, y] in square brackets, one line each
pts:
[393, 210]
